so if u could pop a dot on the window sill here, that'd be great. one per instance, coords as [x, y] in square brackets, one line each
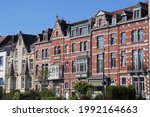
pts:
[137, 42]
[114, 45]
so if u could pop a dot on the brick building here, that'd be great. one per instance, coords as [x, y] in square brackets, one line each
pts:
[42, 58]
[122, 38]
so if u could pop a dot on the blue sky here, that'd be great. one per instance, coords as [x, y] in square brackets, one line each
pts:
[33, 16]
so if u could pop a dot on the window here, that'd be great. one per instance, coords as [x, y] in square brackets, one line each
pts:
[141, 59]
[114, 21]
[137, 13]
[37, 55]
[73, 33]
[73, 47]
[66, 67]
[1, 81]
[84, 31]
[1, 60]
[44, 70]
[123, 38]
[31, 64]
[123, 58]
[57, 50]
[37, 69]
[73, 66]
[100, 22]
[16, 65]
[56, 33]
[141, 35]
[113, 60]
[113, 39]
[16, 53]
[66, 85]
[81, 65]
[139, 85]
[135, 59]
[81, 46]
[138, 35]
[135, 36]
[124, 81]
[85, 45]
[124, 18]
[100, 63]
[100, 42]
[66, 49]
[22, 83]
[73, 84]
[23, 64]
[23, 51]
[45, 53]
[44, 36]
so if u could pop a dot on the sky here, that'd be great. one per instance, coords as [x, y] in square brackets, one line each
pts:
[33, 16]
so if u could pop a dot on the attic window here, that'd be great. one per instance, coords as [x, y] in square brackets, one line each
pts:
[124, 18]
[114, 21]
[56, 33]
[137, 13]
[100, 22]
[45, 36]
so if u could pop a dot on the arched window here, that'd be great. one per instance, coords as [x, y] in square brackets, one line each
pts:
[56, 33]
[85, 45]
[66, 49]
[73, 47]
[81, 46]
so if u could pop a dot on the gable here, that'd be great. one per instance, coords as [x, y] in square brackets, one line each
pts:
[57, 32]
[99, 13]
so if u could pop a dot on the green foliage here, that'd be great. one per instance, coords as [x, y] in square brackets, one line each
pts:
[83, 89]
[46, 94]
[120, 93]
[131, 93]
[30, 95]
[99, 97]
[11, 95]
[1, 92]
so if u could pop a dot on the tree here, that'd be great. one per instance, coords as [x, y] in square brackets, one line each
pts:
[1, 92]
[83, 89]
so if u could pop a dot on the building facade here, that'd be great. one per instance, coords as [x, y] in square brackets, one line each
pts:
[122, 38]
[2, 68]
[20, 64]
[42, 59]
[112, 48]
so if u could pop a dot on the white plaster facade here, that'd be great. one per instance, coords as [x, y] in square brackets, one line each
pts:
[2, 68]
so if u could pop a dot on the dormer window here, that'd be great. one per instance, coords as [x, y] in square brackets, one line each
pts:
[114, 21]
[124, 18]
[73, 33]
[56, 33]
[137, 13]
[44, 36]
[100, 22]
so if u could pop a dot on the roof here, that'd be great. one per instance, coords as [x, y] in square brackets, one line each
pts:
[29, 39]
[80, 22]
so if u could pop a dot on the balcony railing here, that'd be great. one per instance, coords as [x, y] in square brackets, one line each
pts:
[138, 69]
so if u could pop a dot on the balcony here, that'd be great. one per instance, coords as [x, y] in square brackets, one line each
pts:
[139, 70]
[55, 72]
